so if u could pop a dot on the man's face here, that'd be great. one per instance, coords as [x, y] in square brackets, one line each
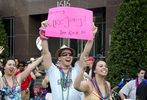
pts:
[66, 58]
[141, 74]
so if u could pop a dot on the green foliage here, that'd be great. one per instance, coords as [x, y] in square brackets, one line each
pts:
[128, 47]
[3, 41]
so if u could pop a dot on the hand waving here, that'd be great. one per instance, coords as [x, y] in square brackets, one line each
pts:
[1, 49]
[85, 63]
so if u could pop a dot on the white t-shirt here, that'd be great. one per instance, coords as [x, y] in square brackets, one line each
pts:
[129, 90]
[55, 82]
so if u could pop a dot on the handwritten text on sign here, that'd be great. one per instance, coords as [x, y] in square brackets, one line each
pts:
[70, 22]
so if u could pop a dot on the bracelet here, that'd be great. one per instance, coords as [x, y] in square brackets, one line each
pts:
[42, 34]
[41, 29]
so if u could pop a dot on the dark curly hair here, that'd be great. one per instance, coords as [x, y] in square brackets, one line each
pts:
[5, 61]
[94, 66]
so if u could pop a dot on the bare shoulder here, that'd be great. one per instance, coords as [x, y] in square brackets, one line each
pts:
[108, 83]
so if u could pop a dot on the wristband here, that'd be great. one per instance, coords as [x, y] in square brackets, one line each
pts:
[42, 34]
[41, 29]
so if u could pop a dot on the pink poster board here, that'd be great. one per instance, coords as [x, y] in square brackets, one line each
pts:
[70, 22]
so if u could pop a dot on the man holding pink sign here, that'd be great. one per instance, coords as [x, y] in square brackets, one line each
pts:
[62, 75]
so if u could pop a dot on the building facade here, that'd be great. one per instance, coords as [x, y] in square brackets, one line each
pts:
[22, 20]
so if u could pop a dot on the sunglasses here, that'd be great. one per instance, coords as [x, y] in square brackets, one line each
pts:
[66, 54]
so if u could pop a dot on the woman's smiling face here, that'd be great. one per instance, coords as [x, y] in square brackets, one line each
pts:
[10, 67]
[101, 68]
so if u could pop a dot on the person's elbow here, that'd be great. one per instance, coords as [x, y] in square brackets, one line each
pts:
[122, 96]
[120, 93]
[77, 87]
[44, 85]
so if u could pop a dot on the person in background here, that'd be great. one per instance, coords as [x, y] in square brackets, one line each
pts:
[1, 69]
[33, 78]
[141, 91]
[46, 85]
[88, 72]
[122, 83]
[1, 49]
[129, 90]
[17, 65]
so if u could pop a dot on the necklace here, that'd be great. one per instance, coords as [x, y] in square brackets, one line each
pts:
[65, 81]
[95, 84]
[64, 68]
[136, 82]
[11, 90]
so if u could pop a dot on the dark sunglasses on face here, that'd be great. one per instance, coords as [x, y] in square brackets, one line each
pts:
[66, 54]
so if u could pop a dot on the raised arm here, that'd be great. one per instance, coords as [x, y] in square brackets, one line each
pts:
[1, 49]
[89, 44]
[80, 84]
[29, 69]
[47, 60]
[45, 82]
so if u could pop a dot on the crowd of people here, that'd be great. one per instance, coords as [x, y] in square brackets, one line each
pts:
[83, 81]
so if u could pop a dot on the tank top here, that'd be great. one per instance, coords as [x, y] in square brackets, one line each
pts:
[16, 95]
[93, 95]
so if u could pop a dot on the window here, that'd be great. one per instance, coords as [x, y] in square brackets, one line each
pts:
[99, 45]
[9, 27]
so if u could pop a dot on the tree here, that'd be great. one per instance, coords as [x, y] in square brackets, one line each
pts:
[3, 41]
[128, 47]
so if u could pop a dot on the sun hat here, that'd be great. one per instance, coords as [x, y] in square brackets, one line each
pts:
[63, 47]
